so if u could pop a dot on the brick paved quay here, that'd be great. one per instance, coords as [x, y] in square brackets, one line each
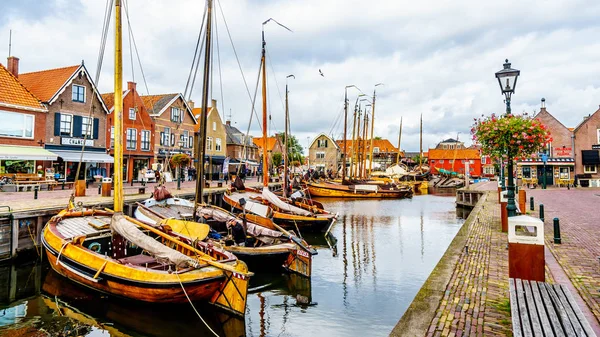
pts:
[467, 293]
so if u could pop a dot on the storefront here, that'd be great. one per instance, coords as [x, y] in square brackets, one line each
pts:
[556, 172]
[93, 164]
[590, 159]
[23, 159]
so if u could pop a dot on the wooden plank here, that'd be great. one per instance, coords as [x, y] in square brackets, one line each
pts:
[582, 319]
[554, 320]
[572, 317]
[539, 304]
[514, 309]
[560, 309]
[532, 309]
[525, 321]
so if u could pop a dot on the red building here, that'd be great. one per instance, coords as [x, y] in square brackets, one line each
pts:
[452, 155]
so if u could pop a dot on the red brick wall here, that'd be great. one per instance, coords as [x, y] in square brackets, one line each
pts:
[586, 136]
[561, 136]
[39, 129]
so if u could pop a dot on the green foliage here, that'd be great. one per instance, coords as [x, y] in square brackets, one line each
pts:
[180, 159]
[277, 158]
[295, 150]
[517, 136]
[377, 138]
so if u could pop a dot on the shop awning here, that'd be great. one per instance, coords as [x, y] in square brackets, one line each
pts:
[215, 160]
[25, 153]
[88, 156]
[590, 157]
[561, 161]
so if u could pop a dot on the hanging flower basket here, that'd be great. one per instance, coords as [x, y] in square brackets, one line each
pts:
[517, 136]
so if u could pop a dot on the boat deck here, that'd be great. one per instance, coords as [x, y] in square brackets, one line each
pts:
[86, 225]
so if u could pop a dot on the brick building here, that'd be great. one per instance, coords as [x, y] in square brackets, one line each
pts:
[451, 155]
[587, 143]
[174, 125]
[560, 164]
[273, 146]
[138, 133]
[241, 148]
[23, 127]
[384, 152]
[216, 137]
[324, 153]
[75, 122]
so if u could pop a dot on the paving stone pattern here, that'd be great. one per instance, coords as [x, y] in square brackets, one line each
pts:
[476, 300]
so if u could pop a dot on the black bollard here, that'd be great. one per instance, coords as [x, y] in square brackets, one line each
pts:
[99, 189]
[35, 192]
[557, 231]
[63, 184]
[542, 212]
[531, 204]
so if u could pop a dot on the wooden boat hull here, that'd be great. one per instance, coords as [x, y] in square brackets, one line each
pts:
[341, 191]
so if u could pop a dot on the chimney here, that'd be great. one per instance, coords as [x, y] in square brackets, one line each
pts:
[131, 86]
[543, 108]
[191, 104]
[213, 104]
[13, 65]
[228, 123]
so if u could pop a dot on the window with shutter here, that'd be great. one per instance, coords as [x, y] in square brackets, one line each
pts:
[162, 138]
[172, 139]
[57, 123]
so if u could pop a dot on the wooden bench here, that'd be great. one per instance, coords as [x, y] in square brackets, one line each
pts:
[543, 309]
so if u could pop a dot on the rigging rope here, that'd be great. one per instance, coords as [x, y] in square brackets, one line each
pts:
[219, 61]
[196, 54]
[193, 307]
[137, 52]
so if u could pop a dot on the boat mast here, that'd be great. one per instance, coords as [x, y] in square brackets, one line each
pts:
[353, 144]
[118, 107]
[399, 138]
[421, 144]
[285, 141]
[201, 135]
[364, 147]
[264, 112]
[345, 131]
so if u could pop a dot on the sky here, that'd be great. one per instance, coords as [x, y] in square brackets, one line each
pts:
[436, 58]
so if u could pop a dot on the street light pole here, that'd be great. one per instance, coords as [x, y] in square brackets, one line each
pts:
[545, 160]
[507, 79]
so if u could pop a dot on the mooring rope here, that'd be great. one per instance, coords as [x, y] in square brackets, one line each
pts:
[193, 307]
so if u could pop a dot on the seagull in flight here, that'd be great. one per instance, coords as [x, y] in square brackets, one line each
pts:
[320, 72]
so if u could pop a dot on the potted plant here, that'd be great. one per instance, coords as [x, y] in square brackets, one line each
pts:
[40, 171]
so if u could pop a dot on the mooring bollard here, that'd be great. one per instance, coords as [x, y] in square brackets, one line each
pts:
[99, 188]
[557, 231]
[35, 192]
[542, 212]
[531, 204]
[63, 184]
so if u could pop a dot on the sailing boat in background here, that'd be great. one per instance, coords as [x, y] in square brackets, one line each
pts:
[112, 253]
[265, 203]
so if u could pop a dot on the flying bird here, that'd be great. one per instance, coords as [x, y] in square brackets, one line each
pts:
[320, 72]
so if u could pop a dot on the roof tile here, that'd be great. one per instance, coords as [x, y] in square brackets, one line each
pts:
[44, 84]
[15, 93]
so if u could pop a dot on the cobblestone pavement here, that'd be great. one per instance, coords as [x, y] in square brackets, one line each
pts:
[476, 299]
[579, 253]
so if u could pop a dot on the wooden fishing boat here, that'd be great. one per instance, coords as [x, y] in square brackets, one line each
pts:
[130, 263]
[357, 191]
[270, 247]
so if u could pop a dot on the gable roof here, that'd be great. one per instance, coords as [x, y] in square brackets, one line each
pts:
[236, 137]
[384, 145]
[452, 154]
[589, 117]
[545, 112]
[157, 104]
[271, 141]
[14, 94]
[328, 137]
[49, 84]
[109, 99]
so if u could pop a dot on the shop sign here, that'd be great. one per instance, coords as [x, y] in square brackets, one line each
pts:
[76, 141]
[562, 151]
[596, 147]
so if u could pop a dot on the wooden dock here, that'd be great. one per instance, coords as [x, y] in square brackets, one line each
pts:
[468, 198]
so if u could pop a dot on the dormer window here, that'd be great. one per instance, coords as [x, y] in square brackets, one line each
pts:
[176, 115]
[78, 93]
[132, 114]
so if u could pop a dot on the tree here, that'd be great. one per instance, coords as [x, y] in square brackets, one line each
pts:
[514, 136]
[295, 150]
[277, 159]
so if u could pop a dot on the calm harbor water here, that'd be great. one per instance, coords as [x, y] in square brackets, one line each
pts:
[364, 278]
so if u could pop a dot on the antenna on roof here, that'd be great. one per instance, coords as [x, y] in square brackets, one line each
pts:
[9, 42]
[229, 116]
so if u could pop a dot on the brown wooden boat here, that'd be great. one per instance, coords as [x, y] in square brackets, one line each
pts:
[325, 189]
[81, 246]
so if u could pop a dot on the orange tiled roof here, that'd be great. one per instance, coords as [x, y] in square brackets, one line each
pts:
[271, 141]
[384, 145]
[197, 112]
[155, 103]
[14, 92]
[44, 84]
[109, 99]
[452, 154]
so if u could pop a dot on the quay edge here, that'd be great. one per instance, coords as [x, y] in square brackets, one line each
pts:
[417, 318]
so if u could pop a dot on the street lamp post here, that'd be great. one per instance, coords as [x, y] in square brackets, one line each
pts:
[507, 79]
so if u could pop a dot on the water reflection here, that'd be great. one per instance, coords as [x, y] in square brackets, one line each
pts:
[364, 277]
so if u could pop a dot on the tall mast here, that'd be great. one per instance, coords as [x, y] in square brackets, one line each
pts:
[118, 107]
[364, 155]
[353, 144]
[285, 141]
[421, 144]
[264, 113]
[399, 139]
[201, 135]
[345, 130]
[372, 130]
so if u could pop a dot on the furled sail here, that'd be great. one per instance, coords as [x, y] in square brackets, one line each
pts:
[263, 234]
[162, 253]
[272, 198]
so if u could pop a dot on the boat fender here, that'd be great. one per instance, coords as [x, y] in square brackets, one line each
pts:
[95, 247]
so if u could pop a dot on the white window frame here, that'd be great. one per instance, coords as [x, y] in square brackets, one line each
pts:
[166, 137]
[112, 137]
[320, 155]
[562, 175]
[590, 168]
[145, 140]
[214, 126]
[73, 92]
[598, 134]
[209, 142]
[132, 114]
[87, 128]
[176, 115]
[24, 125]
[133, 139]
[70, 133]
[185, 138]
[218, 144]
